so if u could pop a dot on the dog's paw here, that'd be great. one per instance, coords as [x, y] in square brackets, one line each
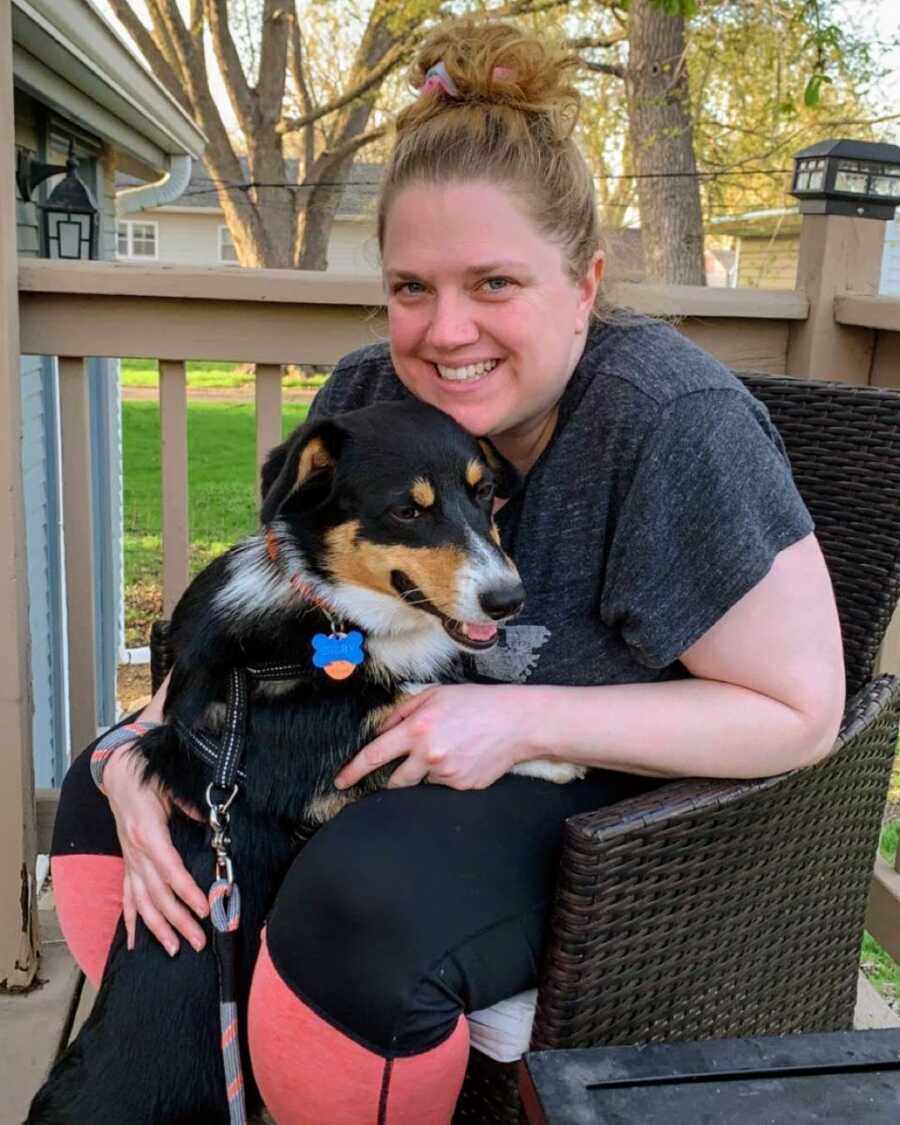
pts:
[545, 770]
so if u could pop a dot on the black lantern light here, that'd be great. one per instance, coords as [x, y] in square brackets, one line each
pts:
[858, 178]
[69, 218]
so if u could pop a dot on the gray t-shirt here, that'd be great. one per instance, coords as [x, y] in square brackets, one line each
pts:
[662, 498]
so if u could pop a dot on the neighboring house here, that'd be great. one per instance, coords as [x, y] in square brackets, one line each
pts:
[624, 249]
[192, 230]
[767, 245]
[76, 81]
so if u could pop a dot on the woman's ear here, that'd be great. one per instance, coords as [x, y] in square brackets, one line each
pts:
[507, 477]
[309, 455]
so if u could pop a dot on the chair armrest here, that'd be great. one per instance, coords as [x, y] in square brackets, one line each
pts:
[721, 908]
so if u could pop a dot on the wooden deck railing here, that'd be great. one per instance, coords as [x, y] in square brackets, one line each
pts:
[272, 318]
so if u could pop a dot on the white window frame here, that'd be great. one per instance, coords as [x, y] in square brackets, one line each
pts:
[223, 229]
[129, 225]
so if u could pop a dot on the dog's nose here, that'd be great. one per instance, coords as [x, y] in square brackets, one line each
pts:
[502, 601]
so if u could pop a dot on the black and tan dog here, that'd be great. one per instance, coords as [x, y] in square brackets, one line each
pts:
[377, 563]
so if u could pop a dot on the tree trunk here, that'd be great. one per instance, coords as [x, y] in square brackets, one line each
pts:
[662, 140]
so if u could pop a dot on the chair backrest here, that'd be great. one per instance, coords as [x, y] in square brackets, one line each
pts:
[844, 446]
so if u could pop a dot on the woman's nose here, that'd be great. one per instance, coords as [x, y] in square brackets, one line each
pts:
[452, 325]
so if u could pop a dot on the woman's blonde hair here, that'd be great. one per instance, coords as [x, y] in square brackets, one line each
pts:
[509, 122]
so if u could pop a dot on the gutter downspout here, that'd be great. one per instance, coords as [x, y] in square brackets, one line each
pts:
[165, 190]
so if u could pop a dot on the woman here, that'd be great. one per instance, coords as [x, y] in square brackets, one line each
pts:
[680, 619]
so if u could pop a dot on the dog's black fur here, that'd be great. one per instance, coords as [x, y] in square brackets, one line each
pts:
[347, 502]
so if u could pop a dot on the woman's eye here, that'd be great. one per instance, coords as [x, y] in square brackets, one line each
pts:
[409, 288]
[406, 513]
[497, 284]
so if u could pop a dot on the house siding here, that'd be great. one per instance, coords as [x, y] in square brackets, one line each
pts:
[42, 483]
[890, 262]
[193, 239]
[40, 492]
[768, 263]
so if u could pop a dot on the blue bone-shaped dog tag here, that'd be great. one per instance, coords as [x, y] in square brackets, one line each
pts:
[338, 654]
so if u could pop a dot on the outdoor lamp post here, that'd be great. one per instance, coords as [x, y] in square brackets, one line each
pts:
[69, 218]
[856, 178]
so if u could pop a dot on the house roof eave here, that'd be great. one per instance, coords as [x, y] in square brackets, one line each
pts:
[73, 40]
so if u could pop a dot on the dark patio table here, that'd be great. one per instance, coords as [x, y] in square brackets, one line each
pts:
[837, 1078]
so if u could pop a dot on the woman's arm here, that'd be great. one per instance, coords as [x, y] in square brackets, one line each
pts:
[157, 886]
[768, 692]
[767, 696]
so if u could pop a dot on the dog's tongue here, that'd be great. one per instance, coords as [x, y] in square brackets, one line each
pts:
[479, 632]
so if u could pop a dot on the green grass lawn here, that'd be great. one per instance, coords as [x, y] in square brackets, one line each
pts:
[222, 493]
[145, 373]
[881, 969]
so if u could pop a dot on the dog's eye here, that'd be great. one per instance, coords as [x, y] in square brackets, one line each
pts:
[484, 492]
[406, 513]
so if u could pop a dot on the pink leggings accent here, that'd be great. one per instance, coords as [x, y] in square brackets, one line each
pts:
[87, 890]
[308, 1072]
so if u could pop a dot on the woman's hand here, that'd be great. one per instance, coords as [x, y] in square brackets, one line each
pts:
[464, 736]
[157, 885]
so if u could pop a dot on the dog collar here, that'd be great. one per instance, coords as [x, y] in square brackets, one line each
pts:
[337, 653]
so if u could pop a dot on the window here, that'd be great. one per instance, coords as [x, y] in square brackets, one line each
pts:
[137, 240]
[227, 252]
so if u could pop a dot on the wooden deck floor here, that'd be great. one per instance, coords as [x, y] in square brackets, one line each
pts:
[35, 1026]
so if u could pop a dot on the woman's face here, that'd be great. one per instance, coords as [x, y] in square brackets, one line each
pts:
[485, 322]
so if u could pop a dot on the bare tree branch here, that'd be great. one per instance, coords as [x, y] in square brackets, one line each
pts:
[390, 61]
[297, 69]
[165, 13]
[604, 68]
[229, 62]
[148, 48]
[335, 155]
[596, 41]
[276, 30]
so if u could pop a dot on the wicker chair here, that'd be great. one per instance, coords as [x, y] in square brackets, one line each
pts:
[710, 909]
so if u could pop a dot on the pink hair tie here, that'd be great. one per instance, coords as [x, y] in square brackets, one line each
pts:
[437, 79]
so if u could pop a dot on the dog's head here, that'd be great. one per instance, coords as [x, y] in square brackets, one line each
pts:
[391, 507]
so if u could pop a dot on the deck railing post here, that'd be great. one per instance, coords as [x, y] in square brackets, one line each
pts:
[78, 540]
[268, 411]
[837, 255]
[174, 474]
[18, 914]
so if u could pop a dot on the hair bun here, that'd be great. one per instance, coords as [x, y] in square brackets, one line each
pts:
[496, 63]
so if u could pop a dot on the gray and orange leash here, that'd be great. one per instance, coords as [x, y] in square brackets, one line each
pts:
[224, 896]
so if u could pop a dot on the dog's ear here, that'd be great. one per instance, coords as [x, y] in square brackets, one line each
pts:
[309, 456]
[507, 477]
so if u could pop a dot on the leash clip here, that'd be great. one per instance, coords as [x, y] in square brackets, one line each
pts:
[218, 822]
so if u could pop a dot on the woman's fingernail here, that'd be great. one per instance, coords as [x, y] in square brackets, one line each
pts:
[198, 944]
[171, 949]
[338, 784]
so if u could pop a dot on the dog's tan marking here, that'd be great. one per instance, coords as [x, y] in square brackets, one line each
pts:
[314, 458]
[490, 455]
[474, 472]
[495, 534]
[371, 724]
[324, 808]
[422, 492]
[435, 570]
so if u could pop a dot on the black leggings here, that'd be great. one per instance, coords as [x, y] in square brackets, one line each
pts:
[408, 907]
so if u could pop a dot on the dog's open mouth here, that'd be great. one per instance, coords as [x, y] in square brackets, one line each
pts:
[467, 634]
